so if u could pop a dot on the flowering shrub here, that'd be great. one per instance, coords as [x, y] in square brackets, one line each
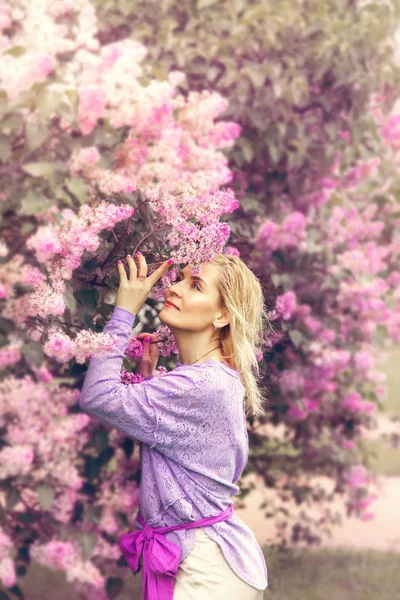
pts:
[97, 158]
[316, 175]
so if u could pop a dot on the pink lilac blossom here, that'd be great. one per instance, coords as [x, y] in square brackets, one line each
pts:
[290, 381]
[43, 374]
[41, 432]
[166, 341]
[85, 572]
[108, 521]
[55, 554]
[86, 344]
[296, 413]
[232, 251]
[259, 354]
[44, 243]
[285, 305]
[62, 506]
[134, 349]
[273, 339]
[367, 516]
[127, 377]
[6, 543]
[354, 402]
[362, 172]
[9, 356]
[290, 233]
[363, 360]
[104, 549]
[357, 476]
[8, 572]
[311, 405]
[15, 460]
[3, 249]
[313, 324]
[76, 235]
[92, 102]
[348, 445]
[365, 502]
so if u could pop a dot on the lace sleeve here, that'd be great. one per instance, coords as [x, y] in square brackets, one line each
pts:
[157, 411]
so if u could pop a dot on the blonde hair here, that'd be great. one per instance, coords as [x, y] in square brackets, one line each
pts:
[241, 294]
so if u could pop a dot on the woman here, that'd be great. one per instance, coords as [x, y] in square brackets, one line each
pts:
[192, 425]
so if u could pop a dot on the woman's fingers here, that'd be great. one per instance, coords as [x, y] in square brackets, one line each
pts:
[155, 276]
[142, 274]
[121, 272]
[132, 267]
[133, 292]
[141, 336]
[151, 345]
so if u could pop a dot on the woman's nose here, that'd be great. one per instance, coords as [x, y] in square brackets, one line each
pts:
[174, 288]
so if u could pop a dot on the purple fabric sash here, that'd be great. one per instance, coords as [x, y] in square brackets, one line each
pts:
[160, 558]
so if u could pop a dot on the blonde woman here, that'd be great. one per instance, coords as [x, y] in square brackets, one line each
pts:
[188, 541]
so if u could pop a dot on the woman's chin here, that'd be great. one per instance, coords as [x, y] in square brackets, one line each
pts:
[162, 314]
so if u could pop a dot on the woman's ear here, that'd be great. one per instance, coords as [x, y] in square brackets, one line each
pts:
[223, 319]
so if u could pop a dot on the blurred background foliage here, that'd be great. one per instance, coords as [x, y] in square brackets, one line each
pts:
[297, 75]
[287, 68]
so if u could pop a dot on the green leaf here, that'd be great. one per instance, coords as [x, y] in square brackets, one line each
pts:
[256, 73]
[34, 203]
[89, 298]
[114, 587]
[274, 152]
[16, 51]
[93, 513]
[48, 102]
[276, 279]
[69, 106]
[205, 3]
[36, 134]
[247, 149]
[89, 266]
[33, 351]
[69, 298]
[10, 122]
[100, 440]
[46, 495]
[296, 337]
[76, 186]
[16, 590]
[87, 541]
[5, 147]
[7, 325]
[39, 169]
[12, 498]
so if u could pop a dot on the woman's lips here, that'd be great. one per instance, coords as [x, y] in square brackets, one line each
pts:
[171, 305]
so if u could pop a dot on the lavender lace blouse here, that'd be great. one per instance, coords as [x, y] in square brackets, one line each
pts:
[192, 424]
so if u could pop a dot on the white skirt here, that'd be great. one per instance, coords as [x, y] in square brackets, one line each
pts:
[205, 573]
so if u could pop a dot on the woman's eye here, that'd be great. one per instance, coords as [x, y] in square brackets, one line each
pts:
[198, 287]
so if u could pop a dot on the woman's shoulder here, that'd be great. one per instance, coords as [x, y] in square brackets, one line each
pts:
[211, 370]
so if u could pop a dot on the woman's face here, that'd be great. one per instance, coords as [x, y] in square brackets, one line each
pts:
[196, 299]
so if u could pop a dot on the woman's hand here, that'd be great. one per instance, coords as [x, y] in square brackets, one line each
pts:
[148, 361]
[133, 291]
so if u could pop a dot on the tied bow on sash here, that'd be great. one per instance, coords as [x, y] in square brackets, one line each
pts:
[160, 561]
[161, 558]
